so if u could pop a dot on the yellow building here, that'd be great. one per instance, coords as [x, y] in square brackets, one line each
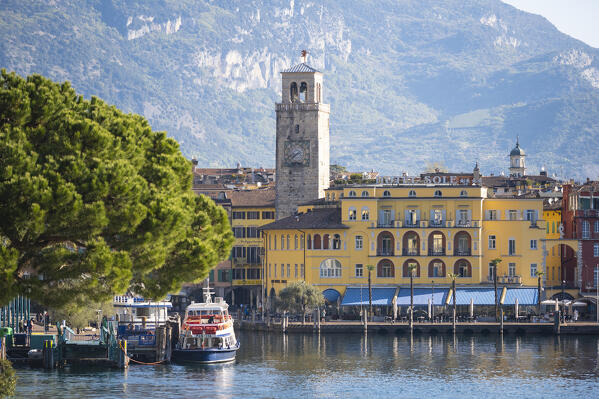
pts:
[437, 229]
[250, 210]
[553, 221]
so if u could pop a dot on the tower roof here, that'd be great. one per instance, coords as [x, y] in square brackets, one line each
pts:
[517, 150]
[303, 67]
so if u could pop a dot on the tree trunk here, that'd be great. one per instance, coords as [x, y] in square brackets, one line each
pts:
[539, 297]
[496, 301]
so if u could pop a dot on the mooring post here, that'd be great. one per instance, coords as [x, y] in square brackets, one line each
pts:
[556, 322]
[501, 322]
[48, 354]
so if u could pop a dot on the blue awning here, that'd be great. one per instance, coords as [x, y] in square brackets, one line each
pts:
[526, 296]
[480, 296]
[331, 295]
[359, 296]
[421, 296]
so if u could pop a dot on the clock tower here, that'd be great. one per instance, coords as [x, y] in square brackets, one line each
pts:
[302, 139]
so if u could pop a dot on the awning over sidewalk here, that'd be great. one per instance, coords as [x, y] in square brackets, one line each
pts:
[356, 296]
[331, 295]
[421, 296]
[526, 296]
[478, 295]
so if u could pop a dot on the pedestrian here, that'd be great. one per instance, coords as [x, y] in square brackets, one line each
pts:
[29, 326]
[46, 321]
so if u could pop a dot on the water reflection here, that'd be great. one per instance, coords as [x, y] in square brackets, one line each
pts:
[360, 365]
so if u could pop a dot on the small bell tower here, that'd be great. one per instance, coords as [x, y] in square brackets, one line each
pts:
[302, 149]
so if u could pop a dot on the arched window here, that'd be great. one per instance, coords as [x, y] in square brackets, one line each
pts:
[385, 268]
[295, 242]
[436, 268]
[351, 193]
[463, 193]
[462, 244]
[365, 193]
[336, 241]
[317, 241]
[385, 244]
[282, 241]
[365, 214]
[462, 268]
[386, 193]
[325, 241]
[288, 242]
[293, 92]
[302, 241]
[411, 244]
[412, 193]
[274, 238]
[411, 266]
[309, 241]
[330, 268]
[438, 193]
[352, 213]
[303, 94]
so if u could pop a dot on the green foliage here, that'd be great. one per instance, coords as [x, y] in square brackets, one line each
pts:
[80, 313]
[93, 202]
[8, 379]
[299, 297]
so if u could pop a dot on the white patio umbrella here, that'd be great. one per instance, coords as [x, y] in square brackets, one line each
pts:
[548, 302]
[579, 304]
[471, 307]
[429, 308]
[516, 308]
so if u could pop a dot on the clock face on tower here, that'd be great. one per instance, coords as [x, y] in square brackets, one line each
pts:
[297, 153]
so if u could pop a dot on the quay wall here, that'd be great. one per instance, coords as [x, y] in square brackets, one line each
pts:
[424, 328]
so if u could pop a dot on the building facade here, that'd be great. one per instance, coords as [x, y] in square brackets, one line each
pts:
[434, 230]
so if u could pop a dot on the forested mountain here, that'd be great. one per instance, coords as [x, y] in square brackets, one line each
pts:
[410, 82]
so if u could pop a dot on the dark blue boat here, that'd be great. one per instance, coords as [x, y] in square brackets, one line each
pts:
[208, 355]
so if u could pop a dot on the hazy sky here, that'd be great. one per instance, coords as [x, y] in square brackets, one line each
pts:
[577, 18]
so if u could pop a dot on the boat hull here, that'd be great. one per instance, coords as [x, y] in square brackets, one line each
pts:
[204, 355]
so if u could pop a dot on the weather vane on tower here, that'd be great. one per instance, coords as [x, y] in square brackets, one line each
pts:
[304, 55]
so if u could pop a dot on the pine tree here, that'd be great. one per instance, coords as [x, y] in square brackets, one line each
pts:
[93, 202]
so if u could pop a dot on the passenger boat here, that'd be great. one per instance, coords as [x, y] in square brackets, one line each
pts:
[207, 334]
[138, 319]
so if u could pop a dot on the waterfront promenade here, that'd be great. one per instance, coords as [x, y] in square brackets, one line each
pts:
[479, 328]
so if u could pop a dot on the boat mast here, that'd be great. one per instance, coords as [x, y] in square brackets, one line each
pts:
[207, 292]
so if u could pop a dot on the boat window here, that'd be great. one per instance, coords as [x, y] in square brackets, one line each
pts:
[143, 312]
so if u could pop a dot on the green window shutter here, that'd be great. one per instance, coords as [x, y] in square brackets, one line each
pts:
[211, 275]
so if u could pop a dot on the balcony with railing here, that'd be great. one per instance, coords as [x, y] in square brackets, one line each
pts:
[385, 252]
[410, 223]
[410, 252]
[509, 279]
[385, 223]
[436, 252]
[436, 223]
[246, 261]
[462, 252]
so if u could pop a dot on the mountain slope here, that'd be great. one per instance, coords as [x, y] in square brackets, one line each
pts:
[409, 82]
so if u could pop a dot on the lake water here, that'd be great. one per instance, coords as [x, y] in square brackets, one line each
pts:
[351, 366]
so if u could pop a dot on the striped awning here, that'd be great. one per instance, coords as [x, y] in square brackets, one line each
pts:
[526, 296]
[356, 296]
[478, 295]
[421, 296]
